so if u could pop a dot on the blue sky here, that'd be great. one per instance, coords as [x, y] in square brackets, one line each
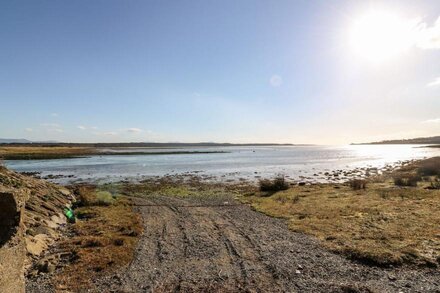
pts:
[223, 71]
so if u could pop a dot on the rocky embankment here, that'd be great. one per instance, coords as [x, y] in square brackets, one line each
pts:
[31, 220]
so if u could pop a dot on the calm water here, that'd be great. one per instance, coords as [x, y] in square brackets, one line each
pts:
[239, 162]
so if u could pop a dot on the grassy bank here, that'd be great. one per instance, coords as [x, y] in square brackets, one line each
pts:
[383, 224]
[102, 240]
[56, 152]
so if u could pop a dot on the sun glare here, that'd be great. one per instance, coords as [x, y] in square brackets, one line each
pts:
[380, 36]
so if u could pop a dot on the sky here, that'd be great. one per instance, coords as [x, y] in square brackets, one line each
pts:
[324, 72]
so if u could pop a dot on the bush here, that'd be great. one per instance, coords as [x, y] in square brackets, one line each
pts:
[104, 198]
[357, 184]
[430, 167]
[87, 195]
[277, 184]
[409, 180]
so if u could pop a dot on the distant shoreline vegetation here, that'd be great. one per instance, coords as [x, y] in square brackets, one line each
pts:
[419, 140]
[138, 144]
[49, 150]
[73, 155]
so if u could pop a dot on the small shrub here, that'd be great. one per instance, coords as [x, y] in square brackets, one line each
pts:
[88, 196]
[357, 184]
[104, 198]
[430, 167]
[277, 184]
[409, 180]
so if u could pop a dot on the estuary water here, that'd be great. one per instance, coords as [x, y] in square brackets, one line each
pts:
[307, 163]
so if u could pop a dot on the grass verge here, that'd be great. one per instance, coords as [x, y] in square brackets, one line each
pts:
[381, 225]
[102, 240]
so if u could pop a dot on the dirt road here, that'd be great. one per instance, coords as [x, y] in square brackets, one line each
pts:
[223, 247]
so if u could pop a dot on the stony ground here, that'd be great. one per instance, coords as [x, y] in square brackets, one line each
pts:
[219, 245]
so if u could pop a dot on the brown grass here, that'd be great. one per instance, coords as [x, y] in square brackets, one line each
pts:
[381, 225]
[32, 152]
[105, 237]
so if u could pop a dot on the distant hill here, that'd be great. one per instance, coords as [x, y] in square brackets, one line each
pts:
[14, 140]
[419, 140]
[18, 142]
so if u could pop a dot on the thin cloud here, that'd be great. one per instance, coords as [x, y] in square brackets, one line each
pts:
[84, 127]
[28, 129]
[276, 80]
[435, 82]
[134, 130]
[437, 120]
[54, 114]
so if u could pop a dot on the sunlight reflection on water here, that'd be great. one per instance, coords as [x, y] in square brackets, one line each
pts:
[239, 162]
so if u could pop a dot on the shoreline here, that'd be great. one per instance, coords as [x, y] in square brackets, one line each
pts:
[314, 177]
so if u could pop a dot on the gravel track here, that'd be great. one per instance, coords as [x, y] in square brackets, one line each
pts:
[231, 248]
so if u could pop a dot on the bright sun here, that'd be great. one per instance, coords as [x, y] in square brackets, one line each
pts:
[379, 36]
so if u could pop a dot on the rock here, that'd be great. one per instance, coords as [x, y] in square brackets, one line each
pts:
[35, 245]
[64, 191]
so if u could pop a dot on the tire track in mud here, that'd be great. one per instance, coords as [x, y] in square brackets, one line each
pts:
[253, 246]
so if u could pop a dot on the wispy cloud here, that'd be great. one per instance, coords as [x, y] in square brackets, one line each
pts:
[134, 130]
[84, 127]
[276, 80]
[435, 82]
[28, 129]
[54, 114]
[428, 37]
[437, 120]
